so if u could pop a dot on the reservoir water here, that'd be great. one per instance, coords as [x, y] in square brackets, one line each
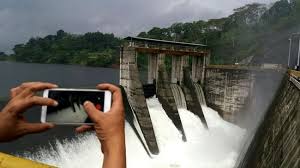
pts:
[12, 74]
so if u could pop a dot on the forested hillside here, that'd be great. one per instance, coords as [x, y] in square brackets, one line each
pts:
[243, 34]
[256, 31]
[91, 49]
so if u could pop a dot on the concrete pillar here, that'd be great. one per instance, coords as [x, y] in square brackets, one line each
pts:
[176, 69]
[159, 62]
[208, 55]
[166, 97]
[161, 59]
[173, 71]
[152, 68]
[127, 57]
[198, 68]
[150, 75]
[203, 66]
[184, 62]
[129, 79]
[205, 62]
[191, 98]
[194, 68]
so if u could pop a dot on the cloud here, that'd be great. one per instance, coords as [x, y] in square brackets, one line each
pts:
[20, 20]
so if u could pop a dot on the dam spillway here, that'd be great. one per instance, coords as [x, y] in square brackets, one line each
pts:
[178, 96]
[203, 148]
[200, 94]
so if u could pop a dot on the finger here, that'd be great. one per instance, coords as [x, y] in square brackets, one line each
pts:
[19, 106]
[34, 84]
[92, 111]
[32, 87]
[35, 101]
[42, 101]
[17, 90]
[14, 92]
[31, 128]
[84, 128]
[116, 93]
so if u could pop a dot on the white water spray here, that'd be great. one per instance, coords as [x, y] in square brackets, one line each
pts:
[214, 148]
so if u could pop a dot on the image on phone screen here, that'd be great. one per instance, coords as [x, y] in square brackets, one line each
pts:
[70, 106]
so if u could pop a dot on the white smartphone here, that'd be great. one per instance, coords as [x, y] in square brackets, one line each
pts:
[70, 109]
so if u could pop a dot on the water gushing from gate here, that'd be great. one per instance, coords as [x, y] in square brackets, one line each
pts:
[178, 96]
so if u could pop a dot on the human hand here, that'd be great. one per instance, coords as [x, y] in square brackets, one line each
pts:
[12, 122]
[109, 125]
[109, 128]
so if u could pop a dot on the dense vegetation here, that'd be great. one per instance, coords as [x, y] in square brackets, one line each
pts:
[3, 56]
[231, 39]
[238, 36]
[91, 49]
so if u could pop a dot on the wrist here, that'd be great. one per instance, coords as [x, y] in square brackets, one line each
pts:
[113, 145]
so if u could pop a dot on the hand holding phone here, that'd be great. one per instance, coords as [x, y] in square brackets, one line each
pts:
[109, 128]
[108, 125]
[13, 123]
[70, 105]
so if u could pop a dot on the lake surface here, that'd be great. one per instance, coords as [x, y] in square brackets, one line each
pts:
[70, 76]
[12, 74]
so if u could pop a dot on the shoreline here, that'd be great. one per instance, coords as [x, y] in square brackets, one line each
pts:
[113, 66]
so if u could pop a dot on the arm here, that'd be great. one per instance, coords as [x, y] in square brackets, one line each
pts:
[109, 128]
[12, 122]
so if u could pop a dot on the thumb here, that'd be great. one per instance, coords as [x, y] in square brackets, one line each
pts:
[31, 128]
[92, 111]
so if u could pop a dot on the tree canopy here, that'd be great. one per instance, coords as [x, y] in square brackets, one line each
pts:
[238, 36]
[91, 49]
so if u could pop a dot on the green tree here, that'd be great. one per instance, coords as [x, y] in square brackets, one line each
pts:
[66, 48]
[3, 56]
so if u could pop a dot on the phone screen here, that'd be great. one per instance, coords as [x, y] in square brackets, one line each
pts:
[70, 105]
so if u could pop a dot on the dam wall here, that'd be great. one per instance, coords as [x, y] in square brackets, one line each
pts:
[276, 143]
[129, 79]
[228, 90]
[167, 99]
[192, 101]
[238, 92]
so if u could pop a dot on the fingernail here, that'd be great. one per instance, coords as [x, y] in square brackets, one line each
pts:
[55, 103]
[86, 103]
[55, 86]
[50, 125]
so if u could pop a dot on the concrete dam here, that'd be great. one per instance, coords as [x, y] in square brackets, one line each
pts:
[190, 82]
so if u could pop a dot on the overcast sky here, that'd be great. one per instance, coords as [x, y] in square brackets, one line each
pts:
[22, 19]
